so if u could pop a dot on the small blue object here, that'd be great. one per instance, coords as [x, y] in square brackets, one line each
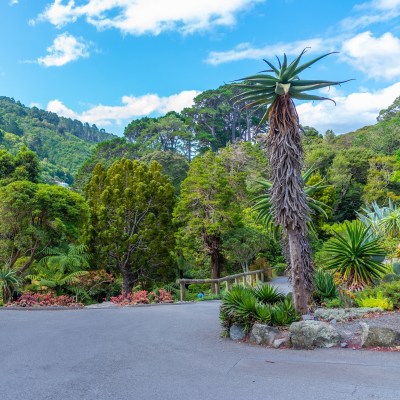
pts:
[200, 295]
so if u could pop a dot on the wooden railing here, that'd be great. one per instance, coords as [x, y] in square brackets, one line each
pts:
[250, 277]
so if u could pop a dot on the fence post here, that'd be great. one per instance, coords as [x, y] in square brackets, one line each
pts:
[252, 279]
[182, 291]
[228, 285]
[217, 288]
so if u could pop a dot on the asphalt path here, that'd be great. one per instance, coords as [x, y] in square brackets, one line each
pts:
[172, 352]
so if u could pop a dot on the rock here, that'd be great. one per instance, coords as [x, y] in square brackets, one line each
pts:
[344, 345]
[264, 334]
[344, 314]
[372, 336]
[311, 334]
[279, 342]
[236, 332]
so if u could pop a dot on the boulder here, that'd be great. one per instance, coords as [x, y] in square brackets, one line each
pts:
[264, 334]
[379, 336]
[236, 332]
[344, 314]
[311, 334]
[281, 341]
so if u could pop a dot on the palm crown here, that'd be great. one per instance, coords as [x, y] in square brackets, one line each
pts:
[263, 89]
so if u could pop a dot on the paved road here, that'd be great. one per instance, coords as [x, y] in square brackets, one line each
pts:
[172, 352]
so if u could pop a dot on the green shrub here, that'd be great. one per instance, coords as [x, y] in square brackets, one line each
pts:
[263, 313]
[378, 301]
[267, 294]
[390, 291]
[283, 313]
[325, 288]
[390, 278]
[334, 303]
[264, 304]
[353, 254]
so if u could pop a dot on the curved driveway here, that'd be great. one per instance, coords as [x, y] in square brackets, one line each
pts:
[172, 352]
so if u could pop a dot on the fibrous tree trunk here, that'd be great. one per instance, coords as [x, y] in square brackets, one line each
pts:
[288, 199]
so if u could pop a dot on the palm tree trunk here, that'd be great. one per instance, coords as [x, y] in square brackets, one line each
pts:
[298, 278]
[289, 203]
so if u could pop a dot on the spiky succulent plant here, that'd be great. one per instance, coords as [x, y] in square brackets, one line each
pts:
[263, 89]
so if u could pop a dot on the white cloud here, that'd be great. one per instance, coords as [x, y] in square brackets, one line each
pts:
[140, 17]
[65, 48]
[13, 2]
[377, 57]
[372, 12]
[132, 107]
[245, 51]
[351, 112]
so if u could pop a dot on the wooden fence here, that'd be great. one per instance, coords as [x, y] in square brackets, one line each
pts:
[250, 277]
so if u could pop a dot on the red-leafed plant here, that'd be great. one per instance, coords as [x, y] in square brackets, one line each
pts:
[30, 299]
[143, 297]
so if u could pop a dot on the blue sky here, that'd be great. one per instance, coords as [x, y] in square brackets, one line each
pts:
[110, 61]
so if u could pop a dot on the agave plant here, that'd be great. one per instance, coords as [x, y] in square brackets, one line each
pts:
[352, 256]
[275, 89]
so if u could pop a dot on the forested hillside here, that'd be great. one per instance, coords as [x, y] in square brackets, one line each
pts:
[62, 144]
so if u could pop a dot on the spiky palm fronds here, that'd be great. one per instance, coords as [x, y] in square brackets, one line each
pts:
[264, 89]
[267, 294]
[264, 208]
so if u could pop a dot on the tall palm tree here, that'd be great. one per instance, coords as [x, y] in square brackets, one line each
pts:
[285, 152]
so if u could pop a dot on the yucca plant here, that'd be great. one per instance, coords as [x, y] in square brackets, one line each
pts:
[275, 89]
[352, 256]
[267, 294]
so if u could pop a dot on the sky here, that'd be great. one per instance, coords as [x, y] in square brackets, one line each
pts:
[108, 62]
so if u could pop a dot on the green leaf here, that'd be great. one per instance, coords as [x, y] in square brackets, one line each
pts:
[308, 64]
[305, 96]
[276, 70]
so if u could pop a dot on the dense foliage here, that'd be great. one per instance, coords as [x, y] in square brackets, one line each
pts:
[193, 177]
